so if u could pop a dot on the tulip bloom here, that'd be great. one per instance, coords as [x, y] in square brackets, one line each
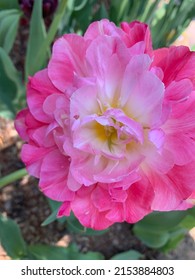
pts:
[110, 125]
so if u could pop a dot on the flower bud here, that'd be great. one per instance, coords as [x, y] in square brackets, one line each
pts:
[49, 7]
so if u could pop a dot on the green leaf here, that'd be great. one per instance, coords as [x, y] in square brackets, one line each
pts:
[11, 33]
[74, 254]
[52, 218]
[6, 13]
[10, 81]
[9, 20]
[41, 56]
[47, 252]
[9, 4]
[11, 238]
[36, 38]
[176, 236]
[54, 206]
[191, 211]
[128, 255]
[188, 222]
[151, 238]
[163, 220]
[80, 5]
[90, 256]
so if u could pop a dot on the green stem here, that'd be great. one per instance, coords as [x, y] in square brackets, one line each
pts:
[12, 177]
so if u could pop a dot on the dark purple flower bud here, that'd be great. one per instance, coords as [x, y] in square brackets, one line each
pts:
[49, 7]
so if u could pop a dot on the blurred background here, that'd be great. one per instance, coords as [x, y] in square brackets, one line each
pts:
[28, 225]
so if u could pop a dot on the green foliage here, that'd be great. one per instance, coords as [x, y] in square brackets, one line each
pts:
[167, 19]
[128, 255]
[11, 238]
[174, 18]
[10, 82]
[164, 230]
[36, 37]
[46, 252]
[9, 20]
[12, 241]
[54, 205]
[9, 4]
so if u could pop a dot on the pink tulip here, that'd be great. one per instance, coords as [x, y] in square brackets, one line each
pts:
[110, 125]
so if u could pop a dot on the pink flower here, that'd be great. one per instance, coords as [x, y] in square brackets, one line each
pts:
[110, 125]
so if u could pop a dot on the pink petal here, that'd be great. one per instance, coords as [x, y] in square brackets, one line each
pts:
[33, 157]
[66, 59]
[142, 92]
[178, 58]
[137, 32]
[39, 87]
[20, 124]
[64, 209]
[178, 91]
[172, 188]
[102, 27]
[87, 213]
[53, 176]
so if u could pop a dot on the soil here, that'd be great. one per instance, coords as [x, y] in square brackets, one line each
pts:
[23, 202]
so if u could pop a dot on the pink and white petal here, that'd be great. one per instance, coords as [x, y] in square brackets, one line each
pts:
[67, 58]
[142, 94]
[139, 201]
[41, 137]
[118, 194]
[64, 209]
[88, 215]
[109, 93]
[172, 188]
[98, 55]
[101, 198]
[178, 91]
[83, 168]
[80, 109]
[55, 168]
[102, 27]
[33, 157]
[180, 133]
[20, 124]
[182, 148]
[137, 65]
[53, 176]
[181, 59]
[160, 161]
[117, 170]
[116, 214]
[38, 89]
[157, 137]
[72, 184]
[127, 181]
[137, 32]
